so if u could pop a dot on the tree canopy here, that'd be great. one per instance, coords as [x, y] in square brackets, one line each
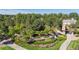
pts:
[31, 23]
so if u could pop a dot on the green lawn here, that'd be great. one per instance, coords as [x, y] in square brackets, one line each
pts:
[74, 45]
[36, 45]
[6, 48]
[55, 47]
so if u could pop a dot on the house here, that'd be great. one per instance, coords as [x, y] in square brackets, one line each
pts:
[67, 22]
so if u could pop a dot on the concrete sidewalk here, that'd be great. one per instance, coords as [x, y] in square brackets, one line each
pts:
[64, 46]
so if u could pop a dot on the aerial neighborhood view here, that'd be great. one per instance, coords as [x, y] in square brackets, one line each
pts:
[39, 29]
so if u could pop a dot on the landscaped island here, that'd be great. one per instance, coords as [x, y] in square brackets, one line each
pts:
[37, 31]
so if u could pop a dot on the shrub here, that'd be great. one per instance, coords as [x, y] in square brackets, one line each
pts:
[11, 31]
[61, 37]
[76, 31]
[47, 29]
[38, 25]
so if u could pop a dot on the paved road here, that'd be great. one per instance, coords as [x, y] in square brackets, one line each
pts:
[64, 46]
[15, 46]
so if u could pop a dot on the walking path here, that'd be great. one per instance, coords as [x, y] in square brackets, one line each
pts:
[5, 41]
[64, 46]
[15, 46]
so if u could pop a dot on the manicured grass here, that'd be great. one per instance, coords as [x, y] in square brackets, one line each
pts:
[74, 45]
[57, 46]
[48, 41]
[6, 48]
[28, 46]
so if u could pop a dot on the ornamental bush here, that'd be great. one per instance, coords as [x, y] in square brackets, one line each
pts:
[61, 37]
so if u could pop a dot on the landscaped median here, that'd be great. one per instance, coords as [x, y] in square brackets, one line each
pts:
[43, 45]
